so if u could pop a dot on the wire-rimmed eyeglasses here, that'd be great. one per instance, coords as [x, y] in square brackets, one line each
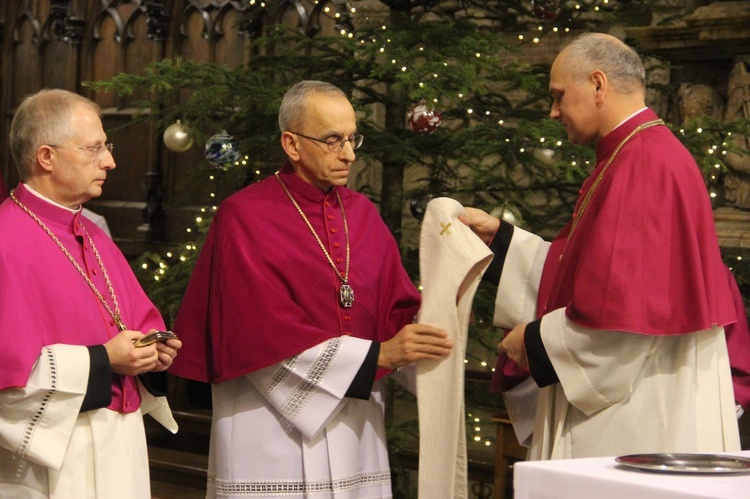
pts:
[94, 152]
[336, 144]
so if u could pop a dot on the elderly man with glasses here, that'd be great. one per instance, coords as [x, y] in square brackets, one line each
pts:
[297, 307]
[72, 383]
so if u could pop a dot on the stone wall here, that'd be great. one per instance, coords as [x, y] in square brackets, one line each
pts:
[709, 56]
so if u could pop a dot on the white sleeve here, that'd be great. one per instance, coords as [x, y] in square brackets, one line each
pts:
[596, 368]
[518, 288]
[406, 376]
[37, 420]
[521, 402]
[308, 389]
[157, 408]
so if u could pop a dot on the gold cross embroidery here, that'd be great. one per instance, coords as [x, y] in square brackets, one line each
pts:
[445, 229]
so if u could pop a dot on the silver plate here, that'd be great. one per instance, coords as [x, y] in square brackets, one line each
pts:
[686, 463]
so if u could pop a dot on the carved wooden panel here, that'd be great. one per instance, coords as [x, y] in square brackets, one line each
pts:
[65, 43]
[22, 70]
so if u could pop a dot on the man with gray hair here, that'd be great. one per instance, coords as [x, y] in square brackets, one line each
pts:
[72, 383]
[623, 321]
[297, 307]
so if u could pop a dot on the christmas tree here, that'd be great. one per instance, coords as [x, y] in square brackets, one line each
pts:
[451, 103]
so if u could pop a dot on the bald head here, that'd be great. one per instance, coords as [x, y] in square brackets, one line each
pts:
[590, 52]
[596, 82]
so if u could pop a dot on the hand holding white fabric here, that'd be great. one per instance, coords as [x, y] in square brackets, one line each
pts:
[412, 343]
[481, 223]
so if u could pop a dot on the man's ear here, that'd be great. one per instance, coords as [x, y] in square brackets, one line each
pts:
[601, 85]
[290, 144]
[599, 80]
[46, 156]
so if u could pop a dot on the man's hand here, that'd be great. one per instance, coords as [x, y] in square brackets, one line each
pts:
[166, 353]
[513, 346]
[126, 359]
[412, 343]
[483, 224]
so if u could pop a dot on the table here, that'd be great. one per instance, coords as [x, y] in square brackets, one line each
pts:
[603, 477]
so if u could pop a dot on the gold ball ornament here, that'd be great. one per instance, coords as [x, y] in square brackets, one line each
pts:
[176, 137]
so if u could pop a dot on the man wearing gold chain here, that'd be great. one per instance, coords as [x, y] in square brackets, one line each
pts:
[298, 305]
[71, 394]
[624, 319]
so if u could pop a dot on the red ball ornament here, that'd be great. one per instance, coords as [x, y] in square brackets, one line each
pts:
[546, 9]
[423, 120]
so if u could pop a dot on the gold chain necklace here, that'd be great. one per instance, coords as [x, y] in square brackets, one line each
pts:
[597, 181]
[346, 293]
[114, 314]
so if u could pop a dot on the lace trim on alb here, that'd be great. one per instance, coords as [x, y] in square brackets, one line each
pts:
[304, 392]
[296, 487]
[281, 375]
[23, 448]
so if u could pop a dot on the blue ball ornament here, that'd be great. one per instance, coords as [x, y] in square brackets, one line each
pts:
[418, 205]
[222, 151]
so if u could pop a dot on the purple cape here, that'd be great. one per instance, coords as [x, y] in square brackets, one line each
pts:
[263, 291]
[45, 301]
[644, 257]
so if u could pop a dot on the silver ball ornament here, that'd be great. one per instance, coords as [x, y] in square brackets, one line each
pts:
[545, 156]
[508, 213]
[176, 137]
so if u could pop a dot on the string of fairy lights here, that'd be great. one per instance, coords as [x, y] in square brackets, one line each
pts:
[481, 430]
[384, 41]
[714, 176]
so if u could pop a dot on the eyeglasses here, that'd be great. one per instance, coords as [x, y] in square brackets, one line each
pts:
[94, 152]
[337, 144]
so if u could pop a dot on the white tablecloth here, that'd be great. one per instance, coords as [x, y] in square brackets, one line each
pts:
[602, 477]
